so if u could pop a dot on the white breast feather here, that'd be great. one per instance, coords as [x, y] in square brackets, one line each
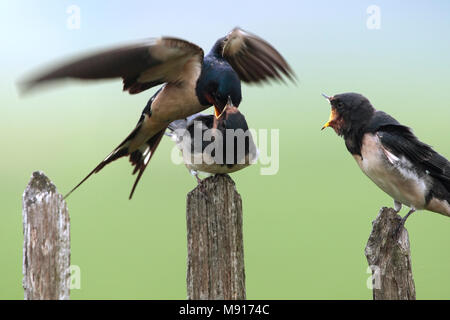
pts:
[392, 174]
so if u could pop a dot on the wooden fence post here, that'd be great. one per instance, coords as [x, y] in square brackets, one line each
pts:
[215, 263]
[46, 246]
[390, 259]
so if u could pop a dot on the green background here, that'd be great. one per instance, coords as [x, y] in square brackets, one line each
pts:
[306, 227]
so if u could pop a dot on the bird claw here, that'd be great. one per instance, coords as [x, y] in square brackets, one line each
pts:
[397, 206]
[200, 186]
[401, 225]
[398, 230]
[195, 174]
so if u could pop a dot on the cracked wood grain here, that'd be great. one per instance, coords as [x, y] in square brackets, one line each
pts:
[389, 257]
[215, 262]
[46, 247]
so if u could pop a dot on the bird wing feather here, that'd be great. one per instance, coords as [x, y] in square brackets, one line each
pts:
[141, 65]
[254, 59]
[401, 141]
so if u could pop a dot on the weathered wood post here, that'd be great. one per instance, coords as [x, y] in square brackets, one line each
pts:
[215, 262]
[46, 245]
[390, 258]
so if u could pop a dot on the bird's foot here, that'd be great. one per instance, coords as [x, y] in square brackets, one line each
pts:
[397, 206]
[401, 225]
[200, 185]
[195, 174]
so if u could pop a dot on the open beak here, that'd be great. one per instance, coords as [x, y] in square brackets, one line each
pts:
[326, 97]
[333, 114]
[218, 113]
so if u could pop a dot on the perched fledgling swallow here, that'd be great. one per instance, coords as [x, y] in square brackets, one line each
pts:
[410, 171]
[214, 144]
[191, 82]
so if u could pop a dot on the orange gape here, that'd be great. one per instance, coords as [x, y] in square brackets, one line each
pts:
[335, 121]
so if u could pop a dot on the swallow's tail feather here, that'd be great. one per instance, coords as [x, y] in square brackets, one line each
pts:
[120, 151]
[142, 156]
[138, 158]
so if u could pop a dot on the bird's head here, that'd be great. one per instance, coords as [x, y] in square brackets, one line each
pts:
[230, 118]
[216, 87]
[233, 127]
[349, 113]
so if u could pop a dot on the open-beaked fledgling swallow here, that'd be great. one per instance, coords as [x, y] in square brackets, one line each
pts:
[410, 171]
[215, 144]
[191, 82]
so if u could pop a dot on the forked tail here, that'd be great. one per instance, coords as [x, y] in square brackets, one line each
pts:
[138, 158]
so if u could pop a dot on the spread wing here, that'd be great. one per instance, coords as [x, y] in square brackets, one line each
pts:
[401, 142]
[141, 66]
[254, 59]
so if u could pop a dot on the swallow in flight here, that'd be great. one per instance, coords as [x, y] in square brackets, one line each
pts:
[191, 82]
[408, 170]
[214, 144]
